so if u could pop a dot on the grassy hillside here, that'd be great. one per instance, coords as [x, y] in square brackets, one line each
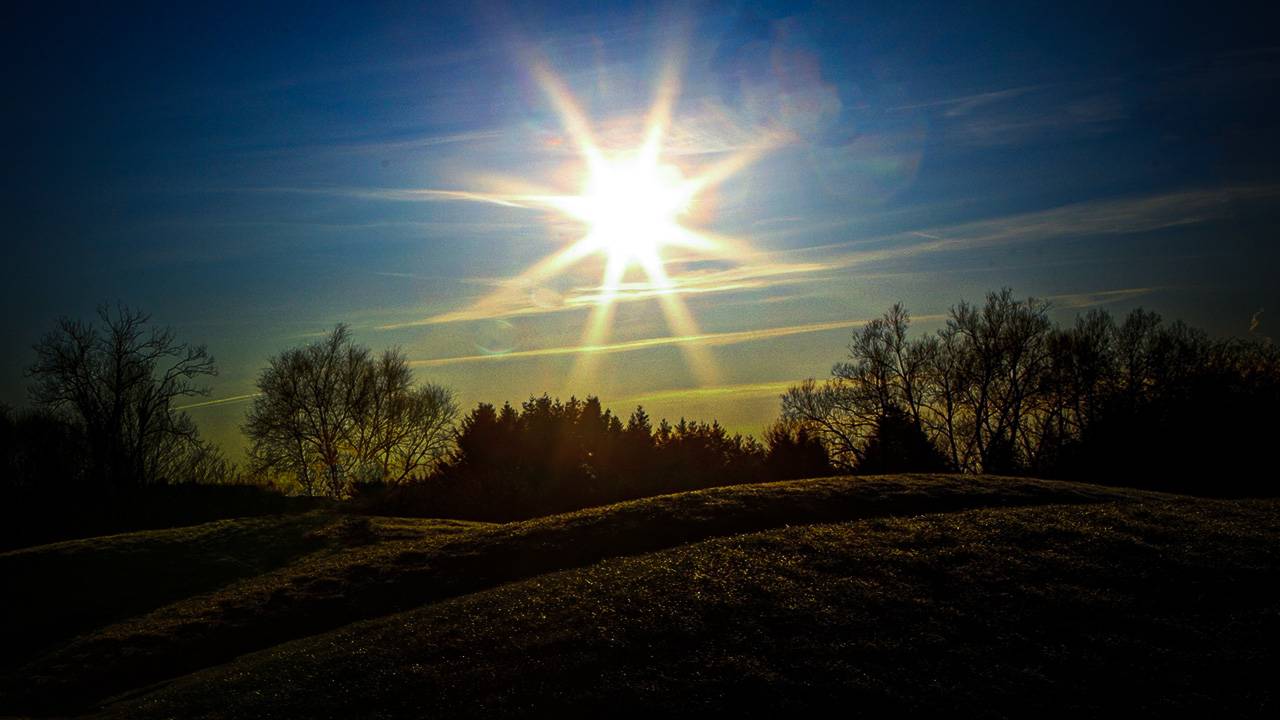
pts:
[924, 593]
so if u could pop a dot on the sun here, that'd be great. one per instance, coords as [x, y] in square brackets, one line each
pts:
[633, 204]
[632, 207]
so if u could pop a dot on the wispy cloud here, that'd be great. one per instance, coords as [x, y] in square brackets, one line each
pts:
[379, 145]
[703, 339]
[762, 270]
[770, 221]
[964, 104]
[219, 401]
[1077, 301]
[718, 392]
[1091, 219]
[393, 194]
[1016, 116]
[515, 299]
[419, 141]
[1074, 300]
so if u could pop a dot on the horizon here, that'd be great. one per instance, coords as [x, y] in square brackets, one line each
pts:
[252, 178]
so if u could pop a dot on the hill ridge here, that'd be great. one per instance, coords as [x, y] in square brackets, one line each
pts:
[369, 579]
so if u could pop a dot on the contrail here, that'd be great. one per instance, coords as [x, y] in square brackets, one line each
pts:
[219, 401]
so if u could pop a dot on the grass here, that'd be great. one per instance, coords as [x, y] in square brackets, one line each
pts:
[989, 595]
[59, 590]
[54, 512]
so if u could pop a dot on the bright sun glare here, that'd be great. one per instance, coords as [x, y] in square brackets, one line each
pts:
[631, 205]
[632, 208]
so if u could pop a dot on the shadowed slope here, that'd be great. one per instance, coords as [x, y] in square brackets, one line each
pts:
[1155, 607]
[445, 560]
[59, 590]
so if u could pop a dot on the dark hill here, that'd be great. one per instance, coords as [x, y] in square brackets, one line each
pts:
[979, 596]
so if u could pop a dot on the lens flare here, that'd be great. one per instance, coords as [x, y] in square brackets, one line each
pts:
[632, 205]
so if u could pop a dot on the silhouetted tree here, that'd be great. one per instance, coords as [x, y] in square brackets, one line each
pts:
[695, 455]
[115, 382]
[899, 445]
[1000, 389]
[635, 462]
[329, 414]
[793, 451]
[40, 452]
[551, 456]
[885, 373]
[1004, 355]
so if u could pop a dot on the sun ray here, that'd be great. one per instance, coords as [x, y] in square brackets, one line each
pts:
[598, 328]
[494, 198]
[723, 170]
[681, 322]
[558, 261]
[633, 207]
[660, 114]
[499, 302]
[596, 332]
[685, 238]
[575, 122]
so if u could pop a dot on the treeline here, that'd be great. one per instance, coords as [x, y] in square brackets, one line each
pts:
[1002, 389]
[104, 416]
[106, 448]
[333, 420]
[549, 456]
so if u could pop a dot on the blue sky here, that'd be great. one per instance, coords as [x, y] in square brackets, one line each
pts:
[252, 176]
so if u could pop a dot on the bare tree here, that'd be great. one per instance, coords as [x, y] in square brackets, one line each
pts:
[116, 381]
[330, 414]
[1004, 357]
[884, 376]
[833, 411]
[401, 430]
[975, 389]
[1000, 389]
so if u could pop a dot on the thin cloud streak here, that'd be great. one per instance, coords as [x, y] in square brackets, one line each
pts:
[514, 302]
[718, 392]
[373, 145]
[1104, 297]
[703, 339]
[1092, 219]
[1072, 300]
[966, 103]
[219, 401]
[1021, 115]
[419, 141]
[395, 194]
[763, 270]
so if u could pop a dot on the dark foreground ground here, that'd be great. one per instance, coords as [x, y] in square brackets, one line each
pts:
[927, 595]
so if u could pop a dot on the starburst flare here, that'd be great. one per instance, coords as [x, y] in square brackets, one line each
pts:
[633, 205]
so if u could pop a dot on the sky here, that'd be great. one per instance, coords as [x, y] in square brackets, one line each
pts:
[253, 175]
